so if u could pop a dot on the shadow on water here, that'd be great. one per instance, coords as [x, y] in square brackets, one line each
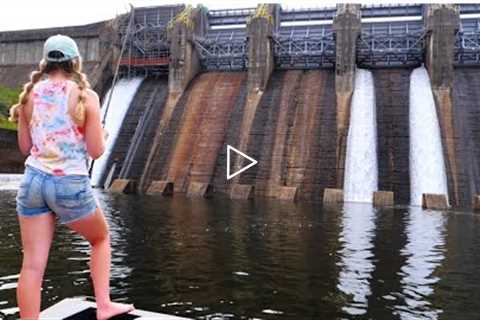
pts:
[222, 259]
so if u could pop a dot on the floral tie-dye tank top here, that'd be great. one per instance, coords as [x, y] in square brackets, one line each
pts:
[58, 144]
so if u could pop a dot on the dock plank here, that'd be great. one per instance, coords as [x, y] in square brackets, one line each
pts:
[78, 308]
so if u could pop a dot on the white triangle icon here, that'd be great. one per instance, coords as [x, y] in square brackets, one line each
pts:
[251, 164]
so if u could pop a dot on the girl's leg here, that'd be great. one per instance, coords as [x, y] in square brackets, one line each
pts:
[95, 229]
[37, 234]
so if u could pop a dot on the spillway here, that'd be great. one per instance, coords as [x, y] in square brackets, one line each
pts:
[123, 93]
[427, 166]
[361, 166]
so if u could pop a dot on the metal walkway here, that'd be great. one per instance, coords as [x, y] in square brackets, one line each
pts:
[303, 40]
[143, 34]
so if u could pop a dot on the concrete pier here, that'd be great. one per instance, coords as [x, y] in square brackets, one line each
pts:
[332, 196]
[434, 201]
[164, 188]
[123, 186]
[260, 29]
[347, 27]
[442, 23]
[183, 67]
[242, 192]
[383, 199]
[184, 58]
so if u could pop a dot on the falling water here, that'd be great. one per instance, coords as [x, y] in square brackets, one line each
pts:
[427, 168]
[122, 96]
[10, 181]
[361, 170]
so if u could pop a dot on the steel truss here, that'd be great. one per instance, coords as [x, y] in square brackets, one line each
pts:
[223, 17]
[301, 45]
[223, 49]
[147, 47]
[467, 44]
[304, 47]
[396, 44]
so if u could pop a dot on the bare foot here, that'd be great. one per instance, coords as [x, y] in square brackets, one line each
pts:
[113, 309]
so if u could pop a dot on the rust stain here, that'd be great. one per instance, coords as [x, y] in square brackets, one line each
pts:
[303, 132]
[197, 101]
[287, 101]
[444, 104]
[253, 100]
[343, 118]
[203, 128]
[214, 126]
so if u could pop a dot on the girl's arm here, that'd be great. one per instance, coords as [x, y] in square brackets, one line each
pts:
[23, 133]
[94, 134]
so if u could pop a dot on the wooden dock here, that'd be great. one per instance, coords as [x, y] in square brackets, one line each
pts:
[80, 309]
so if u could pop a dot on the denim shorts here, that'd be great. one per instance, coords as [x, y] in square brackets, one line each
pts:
[70, 197]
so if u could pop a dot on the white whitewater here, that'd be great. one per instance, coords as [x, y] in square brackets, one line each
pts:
[356, 256]
[10, 181]
[361, 168]
[424, 253]
[123, 93]
[427, 166]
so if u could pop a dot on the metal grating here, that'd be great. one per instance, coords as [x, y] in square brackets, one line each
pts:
[467, 44]
[304, 47]
[394, 44]
[147, 47]
[223, 49]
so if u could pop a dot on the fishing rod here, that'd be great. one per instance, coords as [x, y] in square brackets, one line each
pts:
[115, 77]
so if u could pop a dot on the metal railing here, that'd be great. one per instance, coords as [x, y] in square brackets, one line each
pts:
[398, 44]
[300, 43]
[223, 49]
[304, 47]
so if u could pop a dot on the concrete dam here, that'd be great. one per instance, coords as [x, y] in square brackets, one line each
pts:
[378, 101]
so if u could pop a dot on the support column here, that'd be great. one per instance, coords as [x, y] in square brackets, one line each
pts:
[184, 59]
[260, 29]
[184, 66]
[347, 28]
[441, 23]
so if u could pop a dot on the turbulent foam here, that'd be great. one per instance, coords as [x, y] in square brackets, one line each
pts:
[361, 167]
[123, 94]
[427, 167]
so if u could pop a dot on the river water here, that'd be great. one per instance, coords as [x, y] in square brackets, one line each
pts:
[219, 259]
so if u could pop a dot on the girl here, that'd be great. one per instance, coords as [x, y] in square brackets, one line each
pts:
[58, 127]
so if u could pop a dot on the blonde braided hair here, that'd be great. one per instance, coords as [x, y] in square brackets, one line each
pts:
[80, 78]
[35, 76]
[75, 71]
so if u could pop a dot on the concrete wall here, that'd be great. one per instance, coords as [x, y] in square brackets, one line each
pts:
[467, 131]
[11, 161]
[17, 53]
[393, 139]
[21, 51]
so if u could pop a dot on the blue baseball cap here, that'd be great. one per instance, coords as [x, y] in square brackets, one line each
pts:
[64, 44]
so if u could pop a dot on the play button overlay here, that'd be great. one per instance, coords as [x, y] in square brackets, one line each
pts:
[251, 164]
